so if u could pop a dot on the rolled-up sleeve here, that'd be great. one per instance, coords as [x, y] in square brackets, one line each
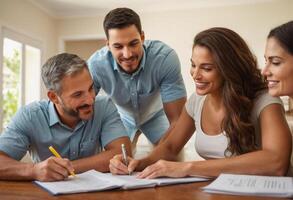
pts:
[14, 141]
[172, 84]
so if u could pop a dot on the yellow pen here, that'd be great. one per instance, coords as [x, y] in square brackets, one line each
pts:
[55, 153]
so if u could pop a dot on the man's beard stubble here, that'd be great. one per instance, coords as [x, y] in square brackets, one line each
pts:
[74, 113]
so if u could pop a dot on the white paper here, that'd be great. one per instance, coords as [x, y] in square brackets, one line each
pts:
[131, 182]
[96, 181]
[170, 181]
[252, 185]
[128, 181]
[84, 182]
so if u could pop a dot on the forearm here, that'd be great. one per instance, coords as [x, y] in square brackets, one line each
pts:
[99, 162]
[169, 148]
[259, 163]
[167, 133]
[173, 110]
[162, 151]
[14, 170]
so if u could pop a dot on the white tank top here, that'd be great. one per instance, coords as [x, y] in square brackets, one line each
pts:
[214, 146]
[208, 146]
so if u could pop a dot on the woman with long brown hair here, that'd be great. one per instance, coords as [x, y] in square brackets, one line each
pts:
[239, 127]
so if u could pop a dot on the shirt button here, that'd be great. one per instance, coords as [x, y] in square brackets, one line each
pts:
[73, 153]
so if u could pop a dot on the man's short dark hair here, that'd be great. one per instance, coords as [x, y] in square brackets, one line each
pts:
[121, 18]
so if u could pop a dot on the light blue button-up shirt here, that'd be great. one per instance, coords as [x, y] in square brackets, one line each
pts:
[139, 97]
[37, 126]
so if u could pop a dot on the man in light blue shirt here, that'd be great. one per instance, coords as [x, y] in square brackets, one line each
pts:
[143, 78]
[75, 122]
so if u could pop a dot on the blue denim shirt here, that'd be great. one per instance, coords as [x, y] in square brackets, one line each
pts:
[37, 126]
[139, 97]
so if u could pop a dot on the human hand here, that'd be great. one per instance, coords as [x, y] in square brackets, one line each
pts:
[164, 168]
[52, 169]
[117, 165]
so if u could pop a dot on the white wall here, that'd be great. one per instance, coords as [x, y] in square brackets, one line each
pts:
[252, 22]
[23, 17]
[90, 28]
[177, 28]
[80, 26]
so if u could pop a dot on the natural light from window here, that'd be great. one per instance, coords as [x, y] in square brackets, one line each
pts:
[11, 92]
[20, 74]
[32, 74]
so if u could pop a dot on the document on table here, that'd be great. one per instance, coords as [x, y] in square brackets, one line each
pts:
[252, 185]
[96, 181]
[85, 182]
[131, 182]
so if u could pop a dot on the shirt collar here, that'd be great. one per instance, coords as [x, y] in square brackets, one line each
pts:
[54, 119]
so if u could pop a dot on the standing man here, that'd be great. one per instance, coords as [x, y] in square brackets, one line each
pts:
[74, 121]
[143, 78]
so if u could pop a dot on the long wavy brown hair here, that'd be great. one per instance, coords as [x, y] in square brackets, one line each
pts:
[242, 83]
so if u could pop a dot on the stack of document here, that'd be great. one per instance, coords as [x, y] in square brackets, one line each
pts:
[250, 185]
[96, 181]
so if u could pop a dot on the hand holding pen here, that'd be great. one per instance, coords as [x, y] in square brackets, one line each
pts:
[51, 169]
[55, 153]
[125, 157]
[123, 164]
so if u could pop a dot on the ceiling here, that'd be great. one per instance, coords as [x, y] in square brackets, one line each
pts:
[82, 8]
